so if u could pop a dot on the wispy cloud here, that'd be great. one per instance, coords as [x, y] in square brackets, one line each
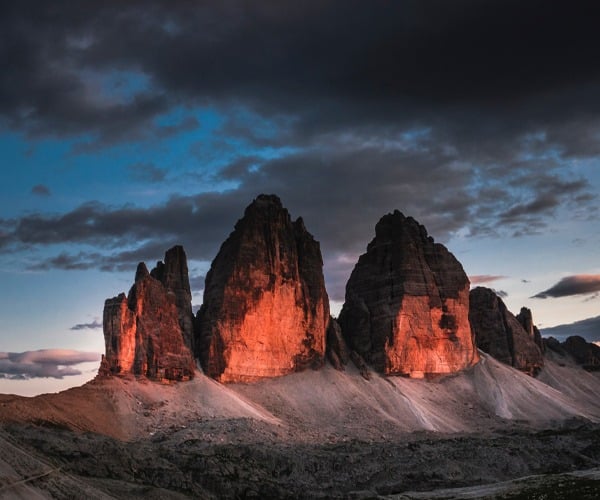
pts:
[479, 279]
[579, 284]
[94, 325]
[44, 363]
[40, 190]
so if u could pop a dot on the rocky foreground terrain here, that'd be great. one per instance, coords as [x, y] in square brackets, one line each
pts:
[316, 434]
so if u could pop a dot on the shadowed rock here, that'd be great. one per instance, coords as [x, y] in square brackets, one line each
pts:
[499, 333]
[584, 353]
[173, 274]
[337, 350]
[144, 331]
[525, 317]
[265, 309]
[407, 303]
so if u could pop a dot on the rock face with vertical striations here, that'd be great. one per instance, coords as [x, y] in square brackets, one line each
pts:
[173, 274]
[265, 310]
[525, 317]
[336, 350]
[499, 333]
[144, 332]
[407, 304]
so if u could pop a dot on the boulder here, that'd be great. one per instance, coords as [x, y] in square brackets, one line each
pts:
[265, 310]
[499, 333]
[407, 304]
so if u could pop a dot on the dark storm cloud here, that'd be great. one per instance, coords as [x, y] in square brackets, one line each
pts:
[107, 226]
[457, 113]
[52, 363]
[94, 325]
[490, 69]
[580, 284]
[340, 195]
[123, 260]
[40, 190]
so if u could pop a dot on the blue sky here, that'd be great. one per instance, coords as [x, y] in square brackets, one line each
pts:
[127, 129]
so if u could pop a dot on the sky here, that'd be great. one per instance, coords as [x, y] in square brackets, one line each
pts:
[129, 127]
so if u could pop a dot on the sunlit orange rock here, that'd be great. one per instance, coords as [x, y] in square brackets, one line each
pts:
[407, 304]
[143, 331]
[173, 274]
[502, 335]
[265, 310]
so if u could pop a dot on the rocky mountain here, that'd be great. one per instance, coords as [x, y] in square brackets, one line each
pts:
[502, 335]
[147, 332]
[584, 353]
[407, 303]
[265, 310]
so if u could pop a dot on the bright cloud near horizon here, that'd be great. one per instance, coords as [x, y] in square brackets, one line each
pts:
[126, 128]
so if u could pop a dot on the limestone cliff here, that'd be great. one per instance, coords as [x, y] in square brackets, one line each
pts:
[144, 332]
[265, 310]
[525, 317]
[407, 303]
[499, 333]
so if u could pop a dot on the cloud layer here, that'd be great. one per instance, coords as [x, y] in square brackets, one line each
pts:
[480, 279]
[378, 62]
[580, 284]
[49, 363]
[466, 115]
[94, 325]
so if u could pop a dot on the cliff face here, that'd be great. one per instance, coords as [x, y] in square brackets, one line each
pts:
[265, 309]
[407, 304]
[144, 332]
[502, 335]
[525, 317]
[174, 276]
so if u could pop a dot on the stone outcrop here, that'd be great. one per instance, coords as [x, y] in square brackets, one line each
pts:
[499, 333]
[265, 310]
[584, 353]
[525, 317]
[337, 351]
[173, 274]
[144, 332]
[407, 304]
